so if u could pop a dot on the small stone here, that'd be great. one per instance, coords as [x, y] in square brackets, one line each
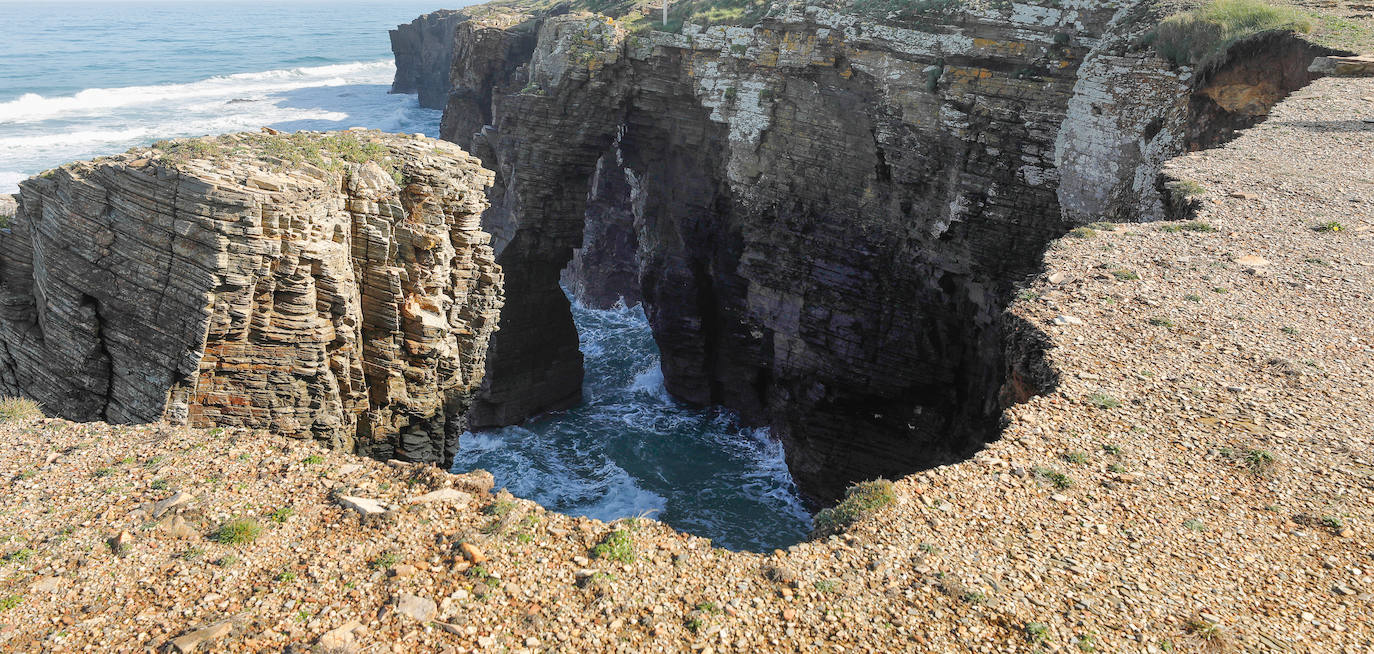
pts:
[177, 527]
[1252, 260]
[471, 553]
[177, 499]
[349, 469]
[1065, 319]
[442, 495]
[120, 543]
[419, 608]
[362, 505]
[1059, 277]
[339, 639]
[789, 615]
[1244, 196]
[189, 642]
[402, 571]
[265, 183]
[581, 560]
[1059, 497]
[46, 584]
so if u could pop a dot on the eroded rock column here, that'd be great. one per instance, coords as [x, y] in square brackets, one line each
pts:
[333, 286]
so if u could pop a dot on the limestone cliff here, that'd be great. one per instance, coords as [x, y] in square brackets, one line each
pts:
[329, 286]
[823, 212]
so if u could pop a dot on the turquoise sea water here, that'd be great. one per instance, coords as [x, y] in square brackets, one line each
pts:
[83, 79]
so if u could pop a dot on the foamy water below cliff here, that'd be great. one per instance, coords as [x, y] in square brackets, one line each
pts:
[630, 449]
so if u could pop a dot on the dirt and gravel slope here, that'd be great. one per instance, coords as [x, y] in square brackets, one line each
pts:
[1201, 479]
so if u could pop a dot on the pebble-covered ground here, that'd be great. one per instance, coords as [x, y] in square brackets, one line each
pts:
[1200, 481]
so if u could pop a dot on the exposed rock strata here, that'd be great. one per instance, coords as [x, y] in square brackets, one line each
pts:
[260, 281]
[826, 211]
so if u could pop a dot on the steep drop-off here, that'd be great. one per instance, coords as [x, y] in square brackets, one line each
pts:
[335, 287]
[823, 213]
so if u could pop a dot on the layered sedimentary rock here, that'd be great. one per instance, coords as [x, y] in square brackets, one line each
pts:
[822, 213]
[328, 286]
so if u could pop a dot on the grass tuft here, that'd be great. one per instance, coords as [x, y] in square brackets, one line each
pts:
[859, 500]
[1103, 401]
[238, 531]
[13, 409]
[616, 546]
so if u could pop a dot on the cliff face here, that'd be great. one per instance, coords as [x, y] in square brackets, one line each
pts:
[423, 49]
[823, 214]
[335, 287]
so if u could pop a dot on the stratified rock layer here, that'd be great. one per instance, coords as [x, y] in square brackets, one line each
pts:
[330, 286]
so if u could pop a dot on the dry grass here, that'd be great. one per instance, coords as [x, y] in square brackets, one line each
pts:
[19, 408]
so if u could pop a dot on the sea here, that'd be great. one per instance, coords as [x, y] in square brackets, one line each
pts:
[80, 79]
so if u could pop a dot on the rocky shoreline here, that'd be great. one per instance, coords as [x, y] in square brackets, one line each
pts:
[1198, 480]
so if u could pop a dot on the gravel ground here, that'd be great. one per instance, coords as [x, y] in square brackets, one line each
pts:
[1200, 481]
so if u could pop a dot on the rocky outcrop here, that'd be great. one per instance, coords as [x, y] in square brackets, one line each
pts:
[823, 214]
[327, 286]
[424, 51]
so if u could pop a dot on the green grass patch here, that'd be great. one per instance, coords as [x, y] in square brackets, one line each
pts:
[325, 151]
[859, 500]
[1059, 479]
[616, 546]
[1082, 232]
[1102, 401]
[1125, 275]
[1259, 461]
[384, 561]
[1203, 36]
[238, 531]
[280, 515]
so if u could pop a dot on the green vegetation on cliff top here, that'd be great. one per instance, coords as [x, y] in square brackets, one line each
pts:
[1200, 34]
[324, 151]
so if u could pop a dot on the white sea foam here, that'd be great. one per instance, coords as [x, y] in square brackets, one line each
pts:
[32, 107]
[37, 133]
